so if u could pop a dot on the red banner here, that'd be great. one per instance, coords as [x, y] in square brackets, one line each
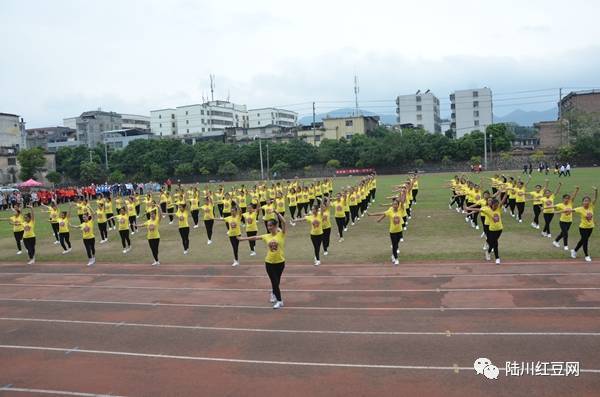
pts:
[355, 171]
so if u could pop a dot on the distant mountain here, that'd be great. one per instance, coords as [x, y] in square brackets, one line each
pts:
[345, 112]
[527, 118]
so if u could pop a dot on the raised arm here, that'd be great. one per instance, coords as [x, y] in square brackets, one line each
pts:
[574, 195]
[595, 195]
[558, 188]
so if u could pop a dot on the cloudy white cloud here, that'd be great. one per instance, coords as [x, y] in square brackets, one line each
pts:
[62, 57]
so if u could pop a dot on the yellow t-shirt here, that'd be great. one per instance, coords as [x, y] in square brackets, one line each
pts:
[494, 218]
[250, 218]
[326, 217]
[88, 229]
[548, 202]
[226, 206]
[182, 218]
[29, 229]
[194, 203]
[101, 215]
[339, 208]
[537, 197]
[484, 211]
[234, 226]
[565, 216]
[292, 199]
[123, 221]
[316, 224]
[587, 217]
[80, 208]
[520, 195]
[395, 218]
[269, 212]
[53, 214]
[17, 221]
[152, 227]
[131, 209]
[63, 225]
[207, 212]
[275, 247]
[280, 204]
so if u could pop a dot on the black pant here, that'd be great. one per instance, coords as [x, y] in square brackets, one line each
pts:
[537, 210]
[316, 241]
[111, 222]
[275, 270]
[103, 231]
[583, 241]
[195, 216]
[18, 238]
[170, 212]
[80, 218]
[90, 247]
[225, 215]
[137, 210]
[55, 229]
[252, 243]
[220, 207]
[235, 243]
[340, 224]
[414, 194]
[125, 242]
[163, 208]
[353, 212]
[346, 218]
[395, 237]
[564, 232]
[153, 243]
[492, 239]
[326, 237]
[511, 204]
[132, 223]
[208, 224]
[292, 211]
[520, 210]
[29, 243]
[65, 238]
[184, 232]
[547, 221]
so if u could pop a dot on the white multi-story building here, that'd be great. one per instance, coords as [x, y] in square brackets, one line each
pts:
[131, 121]
[272, 116]
[163, 122]
[471, 110]
[420, 110]
[10, 130]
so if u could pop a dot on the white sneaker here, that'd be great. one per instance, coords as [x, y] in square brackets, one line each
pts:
[195, 226]
[102, 241]
[467, 219]
[457, 209]
[278, 305]
[487, 256]
[498, 261]
[185, 252]
[93, 260]
[544, 234]
[209, 242]
[588, 258]
[56, 242]
[128, 248]
[352, 223]
[477, 227]
[485, 246]
[65, 252]
[132, 233]
[170, 223]
[404, 228]
[19, 252]
[293, 223]
[156, 263]
[573, 254]
[533, 225]
[396, 262]
[252, 253]
[482, 235]
[31, 261]
[325, 253]
[520, 220]
[410, 217]
[402, 240]
[449, 207]
[90, 263]
[235, 263]
[345, 229]
[393, 259]
[272, 299]
[317, 263]
[537, 227]
[566, 248]
[125, 250]
[556, 244]
[341, 240]
[549, 235]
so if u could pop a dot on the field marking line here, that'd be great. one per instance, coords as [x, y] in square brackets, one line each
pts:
[247, 361]
[324, 308]
[55, 392]
[200, 289]
[292, 331]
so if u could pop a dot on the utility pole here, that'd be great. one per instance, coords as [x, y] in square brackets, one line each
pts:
[313, 125]
[212, 87]
[559, 102]
[485, 162]
[491, 137]
[268, 167]
[356, 90]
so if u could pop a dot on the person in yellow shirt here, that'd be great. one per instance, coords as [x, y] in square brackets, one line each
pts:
[89, 240]
[16, 220]
[195, 206]
[353, 197]
[110, 211]
[536, 196]
[251, 226]
[122, 221]
[316, 231]
[586, 225]
[548, 209]
[163, 201]
[340, 216]
[415, 187]
[566, 219]
[326, 218]
[52, 211]
[182, 216]
[275, 258]
[292, 201]
[520, 193]
[234, 231]
[208, 215]
[102, 220]
[394, 214]
[130, 206]
[493, 213]
[280, 204]
[269, 211]
[219, 194]
[170, 208]
[64, 234]
[227, 205]
[29, 235]
[153, 234]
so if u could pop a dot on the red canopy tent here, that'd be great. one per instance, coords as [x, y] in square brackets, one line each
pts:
[30, 183]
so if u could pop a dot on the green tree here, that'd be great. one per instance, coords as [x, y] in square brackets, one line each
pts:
[184, 169]
[419, 163]
[333, 163]
[228, 169]
[538, 156]
[31, 161]
[116, 177]
[566, 153]
[475, 160]
[91, 172]
[280, 167]
[54, 177]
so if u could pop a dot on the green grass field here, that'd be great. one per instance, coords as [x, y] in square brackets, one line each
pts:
[435, 233]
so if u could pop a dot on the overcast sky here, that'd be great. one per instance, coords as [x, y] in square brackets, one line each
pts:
[61, 57]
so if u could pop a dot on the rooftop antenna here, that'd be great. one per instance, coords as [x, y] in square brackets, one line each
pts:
[356, 91]
[418, 92]
[427, 92]
[227, 95]
[212, 87]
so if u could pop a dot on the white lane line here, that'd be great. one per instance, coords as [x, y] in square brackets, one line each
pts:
[55, 392]
[200, 289]
[292, 275]
[223, 306]
[293, 331]
[245, 361]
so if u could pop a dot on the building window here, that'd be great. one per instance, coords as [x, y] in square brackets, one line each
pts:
[258, 122]
[419, 125]
[475, 104]
[476, 122]
[475, 94]
[202, 112]
[418, 99]
[186, 112]
[475, 113]
[348, 136]
[202, 121]
[419, 117]
[160, 116]
[202, 129]
[419, 108]
[172, 116]
[160, 125]
[173, 125]
[187, 121]
[257, 114]
[317, 138]
[348, 123]
[12, 161]
[187, 131]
